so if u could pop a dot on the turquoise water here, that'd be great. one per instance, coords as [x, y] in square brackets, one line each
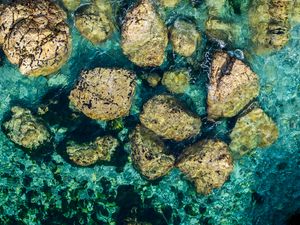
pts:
[264, 187]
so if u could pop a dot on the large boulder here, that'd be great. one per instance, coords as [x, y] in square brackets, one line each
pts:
[232, 85]
[26, 129]
[87, 154]
[168, 118]
[207, 163]
[148, 154]
[35, 36]
[144, 35]
[95, 21]
[104, 94]
[252, 130]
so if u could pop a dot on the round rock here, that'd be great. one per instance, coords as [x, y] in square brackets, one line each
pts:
[168, 118]
[148, 154]
[144, 35]
[26, 130]
[176, 81]
[104, 94]
[208, 163]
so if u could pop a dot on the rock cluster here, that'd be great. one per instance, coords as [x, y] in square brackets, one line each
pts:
[95, 21]
[144, 35]
[176, 81]
[232, 86]
[35, 36]
[148, 154]
[208, 163]
[252, 130]
[26, 130]
[168, 118]
[89, 153]
[104, 94]
[184, 37]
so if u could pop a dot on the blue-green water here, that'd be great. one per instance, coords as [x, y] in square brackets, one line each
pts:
[264, 187]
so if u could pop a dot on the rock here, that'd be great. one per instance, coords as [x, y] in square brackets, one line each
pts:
[254, 129]
[232, 86]
[148, 154]
[95, 21]
[144, 35]
[217, 29]
[184, 37]
[26, 130]
[295, 17]
[270, 30]
[89, 153]
[153, 79]
[104, 94]
[169, 3]
[168, 118]
[176, 81]
[208, 163]
[71, 5]
[216, 7]
[35, 36]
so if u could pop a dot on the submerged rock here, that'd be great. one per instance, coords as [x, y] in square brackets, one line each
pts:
[144, 35]
[95, 21]
[104, 94]
[208, 163]
[184, 37]
[26, 130]
[71, 5]
[153, 79]
[176, 81]
[255, 129]
[169, 3]
[35, 36]
[168, 118]
[148, 154]
[232, 86]
[89, 153]
[269, 23]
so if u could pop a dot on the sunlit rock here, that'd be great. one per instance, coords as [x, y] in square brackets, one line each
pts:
[176, 81]
[252, 130]
[269, 24]
[207, 163]
[87, 154]
[232, 86]
[104, 94]
[95, 21]
[144, 35]
[149, 155]
[168, 118]
[35, 36]
[184, 37]
[26, 130]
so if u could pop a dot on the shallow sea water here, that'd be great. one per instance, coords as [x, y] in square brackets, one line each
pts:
[264, 187]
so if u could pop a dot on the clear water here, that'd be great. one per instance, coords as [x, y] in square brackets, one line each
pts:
[264, 187]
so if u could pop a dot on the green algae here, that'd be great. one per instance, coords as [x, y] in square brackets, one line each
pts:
[263, 188]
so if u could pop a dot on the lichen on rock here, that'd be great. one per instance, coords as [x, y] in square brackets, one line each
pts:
[148, 154]
[144, 35]
[252, 130]
[176, 81]
[87, 154]
[184, 37]
[232, 86]
[104, 94]
[95, 21]
[208, 163]
[35, 36]
[270, 25]
[26, 130]
[168, 118]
